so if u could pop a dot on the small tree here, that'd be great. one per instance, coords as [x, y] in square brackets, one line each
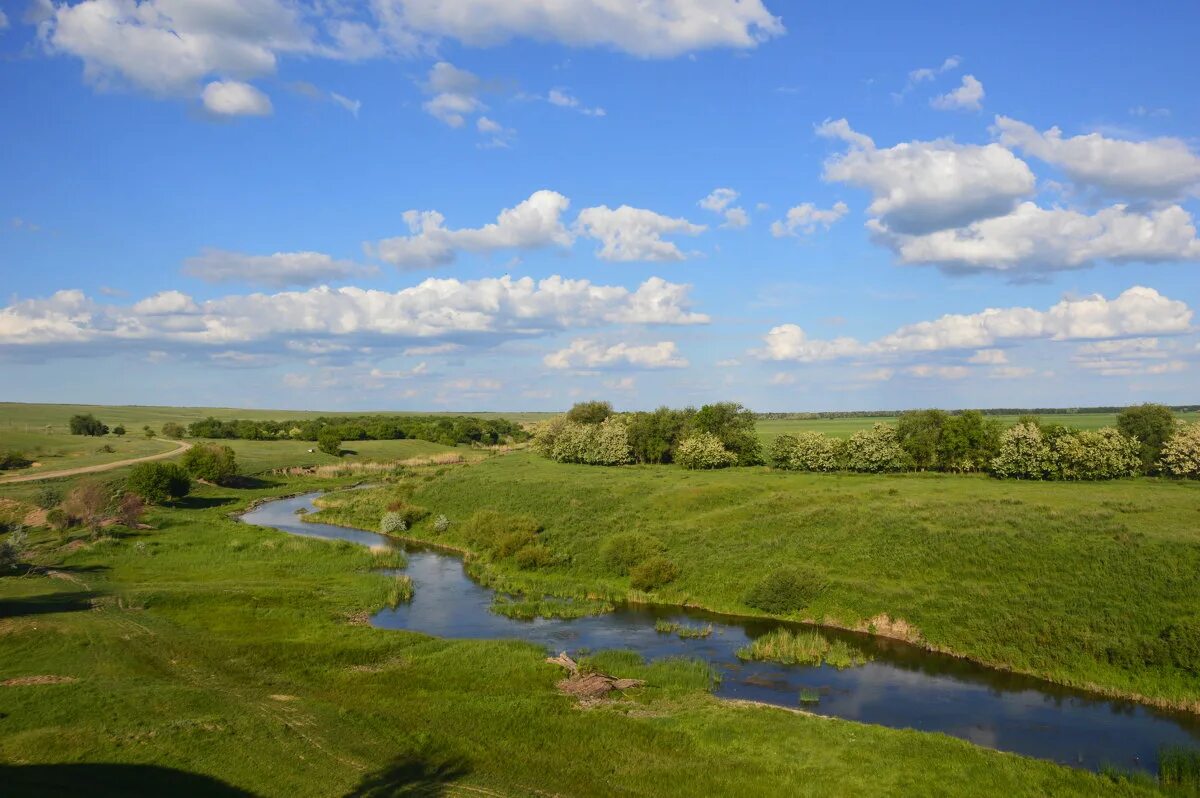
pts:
[211, 462]
[734, 426]
[1024, 454]
[1152, 426]
[875, 450]
[87, 504]
[158, 483]
[919, 433]
[129, 510]
[1181, 453]
[703, 450]
[148, 432]
[87, 424]
[119, 431]
[807, 451]
[173, 430]
[589, 412]
[330, 442]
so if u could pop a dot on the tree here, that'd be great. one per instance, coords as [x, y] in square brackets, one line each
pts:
[148, 432]
[875, 450]
[158, 483]
[654, 436]
[173, 430]
[807, 451]
[968, 442]
[87, 424]
[1096, 454]
[589, 412]
[211, 462]
[703, 450]
[1024, 454]
[118, 430]
[919, 433]
[1151, 425]
[87, 504]
[734, 426]
[1181, 453]
[330, 442]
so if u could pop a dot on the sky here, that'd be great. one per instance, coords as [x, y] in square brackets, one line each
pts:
[520, 204]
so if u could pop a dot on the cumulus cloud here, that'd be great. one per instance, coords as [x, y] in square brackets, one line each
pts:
[989, 357]
[434, 312]
[923, 186]
[967, 97]
[1130, 357]
[806, 217]
[720, 201]
[234, 98]
[929, 73]
[1160, 169]
[584, 353]
[1032, 239]
[1138, 311]
[562, 99]
[926, 370]
[1010, 372]
[533, 222]
[633, 234]
[279, 270]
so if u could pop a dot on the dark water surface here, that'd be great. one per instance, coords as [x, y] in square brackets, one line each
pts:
[903, 686]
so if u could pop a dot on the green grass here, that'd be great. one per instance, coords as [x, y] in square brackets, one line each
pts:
[206, 654]
[683, 630]
[1073, 582]
[802, 648]
[58, 451]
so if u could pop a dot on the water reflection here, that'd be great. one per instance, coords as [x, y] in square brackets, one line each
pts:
[901, 686]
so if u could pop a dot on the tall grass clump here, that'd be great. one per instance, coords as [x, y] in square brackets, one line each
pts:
[653, 573]
[400, 592]
[622, 552]
[484, 530]
[802, 648]
[785, 590]
[1179, 770]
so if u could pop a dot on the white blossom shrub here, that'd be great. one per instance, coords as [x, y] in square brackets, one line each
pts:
[1096, 454]
[606, 443]
[1024, 454]
[702, 451]
[807, 451]
[392, 523]
[1181, 453]
[874, 451]
[441, 523]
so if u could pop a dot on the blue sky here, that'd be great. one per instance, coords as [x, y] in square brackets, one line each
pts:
[408, 204]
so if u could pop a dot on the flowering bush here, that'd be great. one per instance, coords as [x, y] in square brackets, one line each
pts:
[441, 523]
[704, 450]
[1181, 453]
[1024, 454]
[807, 451]
[1097, 454]
[874, 451]
[606, 443]
[393, 522]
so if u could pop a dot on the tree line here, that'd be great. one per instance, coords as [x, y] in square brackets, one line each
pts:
[446, 430]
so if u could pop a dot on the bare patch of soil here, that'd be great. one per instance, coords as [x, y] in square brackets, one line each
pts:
[26, 681]
[589, 686]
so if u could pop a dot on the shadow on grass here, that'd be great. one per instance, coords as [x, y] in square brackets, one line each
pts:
[201, 502]
[45, 604]
[412, 774]
[95, 780]
[249, 482]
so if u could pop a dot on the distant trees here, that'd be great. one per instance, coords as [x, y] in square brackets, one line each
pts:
[330, 442]
[158, 483]
[118, 430]
[1152, 426]
[589, 412]
[173, 430]
[210, 462]
[87, 424]
[148, 432]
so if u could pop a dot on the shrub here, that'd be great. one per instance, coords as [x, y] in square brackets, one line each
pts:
[1152, 426]
[1096, 454]
[148, 432]
[785, 590]
[392, 522]
[411, 513]
[510, 543]
[703, 450]
[129, 510]
[87, 424]
[919, 433]
[874, 451]
[211, 462]
[484, 529]
[533, 557]
[807, 451]
[158, 482]
[1024, 454]
[1181, 454]
[330, 442]
[968, 442]
[621, 552]
[118, 430]
[734, 426]
[47, 497]
[589, 412]
[87, 504]
[13, 459]
[173, 430]
[654, 436]
[12, 548]
[57, 520]
[441, 523]
[653, 573]
[605, 443]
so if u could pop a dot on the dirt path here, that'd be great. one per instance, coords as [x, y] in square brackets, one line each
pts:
[70, 472]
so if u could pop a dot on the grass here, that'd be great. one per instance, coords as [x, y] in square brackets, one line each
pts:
[1074, 582]
[685, 631]
[802, 648]
[212, 657]
[526, 609]
[59, 451]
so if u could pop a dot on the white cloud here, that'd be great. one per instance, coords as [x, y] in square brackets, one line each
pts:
[1162, 169]
[234, 98]
[929, 73]
[728, 363]
[1011, 372]
[878, 375]
[633, 234]
[400, 374]
[1033, 239]
[583, 353]
[562, 99]
[455, 94]
[720, 201]
[967, 97]
[484, 311]
[924, 370]
[806, 217]
[1138, 311]
[278, 270]
[475, 385]
[923, 186]
[654, 28]
[353, 106]
[534, 222]
[3, 20]
[621, 384]
[989, 357]
[782, 378]
[1130, 357]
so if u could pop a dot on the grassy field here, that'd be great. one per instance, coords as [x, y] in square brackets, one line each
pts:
[1080, 583]
[56, 451]
[206, 657]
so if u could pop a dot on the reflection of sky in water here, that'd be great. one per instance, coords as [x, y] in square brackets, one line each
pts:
[902, 687]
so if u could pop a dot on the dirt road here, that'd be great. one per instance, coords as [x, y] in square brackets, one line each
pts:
[70, 472]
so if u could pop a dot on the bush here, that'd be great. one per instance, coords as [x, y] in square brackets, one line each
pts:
[47, 497]
[969, 441]
[392, 522]
[158, 482]
[605, 443]
[410, 513]
[57, 520]
[510, 543]
[734, 426]
[654, 436]
[785, 590]
[87, 424]
[87, 504]
[874, 451]
[13, 459]
[441, 523]
[919, 433]
[211, 462]
[1096, 454]
[534, 556]
[622, 552]
[653, 573]
[589, 412]
[807, 451]
[703, 450]
[118, 430]
[330, 442]
[129, 510]
[1152, 426]
[1024, 454]
[173, 430]
[12, 548]
[1181, 454]
[484, 529]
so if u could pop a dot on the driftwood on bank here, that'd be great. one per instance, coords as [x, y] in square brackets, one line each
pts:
[589, 685]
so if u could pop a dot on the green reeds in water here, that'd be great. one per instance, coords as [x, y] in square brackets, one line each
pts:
[683, 630]
[802, 648]
[809, 696]
[528, 609]
[401, 591]
[1179, 770]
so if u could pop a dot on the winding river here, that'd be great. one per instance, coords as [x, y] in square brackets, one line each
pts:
[901, 686]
